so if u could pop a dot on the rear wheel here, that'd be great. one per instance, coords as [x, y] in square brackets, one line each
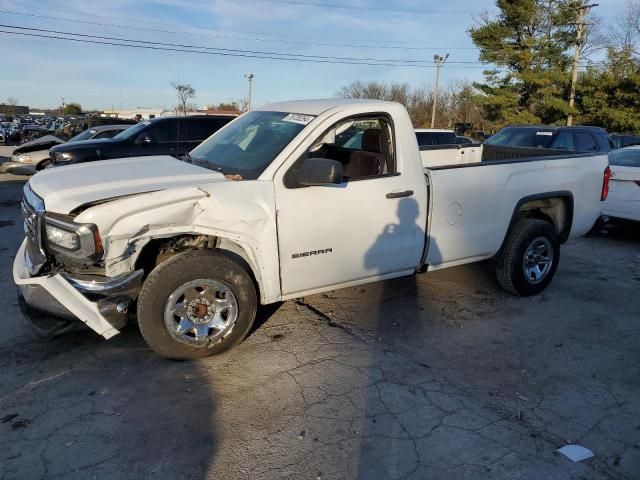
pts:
[196, 304]
[530, 257]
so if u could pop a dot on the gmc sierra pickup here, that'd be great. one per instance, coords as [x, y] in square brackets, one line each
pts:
[287, 200]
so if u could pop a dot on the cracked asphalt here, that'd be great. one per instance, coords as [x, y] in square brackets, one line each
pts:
[436, 376]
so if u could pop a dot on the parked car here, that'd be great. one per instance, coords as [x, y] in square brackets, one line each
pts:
[14, 133]
[440, 148]
[625, 140]
[33, 156]
[174, 136]
[623, 201]
[32, 132]
[464, 140]
[75, 127]
[432, 136]
[570, 139]
[272, 208]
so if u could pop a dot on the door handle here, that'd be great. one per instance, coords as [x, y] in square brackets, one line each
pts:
[406, 193]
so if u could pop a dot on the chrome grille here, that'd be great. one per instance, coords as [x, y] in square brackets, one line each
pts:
[33, 225]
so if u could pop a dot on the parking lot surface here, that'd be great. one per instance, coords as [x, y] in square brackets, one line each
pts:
[436, 376]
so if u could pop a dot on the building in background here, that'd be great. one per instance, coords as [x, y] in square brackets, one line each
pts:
[214, 111]
[137, 113]
[10, 110]
[149, 113]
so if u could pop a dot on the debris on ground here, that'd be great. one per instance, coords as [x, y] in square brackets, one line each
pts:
[576, 453]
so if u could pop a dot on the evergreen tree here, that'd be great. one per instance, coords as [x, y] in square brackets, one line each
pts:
[609, 96]
[531, 42]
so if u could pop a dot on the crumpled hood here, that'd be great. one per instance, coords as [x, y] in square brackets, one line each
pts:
[42, 143]
[66, 188]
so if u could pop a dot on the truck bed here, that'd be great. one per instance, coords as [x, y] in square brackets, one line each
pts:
[472, 205]
[434, 156]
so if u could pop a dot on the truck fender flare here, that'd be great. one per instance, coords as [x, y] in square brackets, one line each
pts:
[224, 245]
[568, 221]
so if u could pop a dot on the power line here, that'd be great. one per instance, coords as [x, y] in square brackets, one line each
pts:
[119, 43]
[255, 53]
[226, 36]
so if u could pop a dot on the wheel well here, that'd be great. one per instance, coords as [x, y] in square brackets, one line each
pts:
[42, 163]
[158, 250]
[557, 210]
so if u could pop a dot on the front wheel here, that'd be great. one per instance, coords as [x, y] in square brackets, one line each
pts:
[530, 257]
[43, 164]
[196, 304]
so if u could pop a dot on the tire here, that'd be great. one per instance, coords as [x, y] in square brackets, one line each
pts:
[519, 273]
[183, 271]
[43, 164]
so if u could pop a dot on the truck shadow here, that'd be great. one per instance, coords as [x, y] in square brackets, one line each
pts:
[389, 321]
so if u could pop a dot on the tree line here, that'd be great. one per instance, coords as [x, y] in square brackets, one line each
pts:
[530, 46]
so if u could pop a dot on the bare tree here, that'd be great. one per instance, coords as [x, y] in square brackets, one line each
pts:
[12, 101]
[459, 103]
[625, 33]
[185, 92]
[241, 105]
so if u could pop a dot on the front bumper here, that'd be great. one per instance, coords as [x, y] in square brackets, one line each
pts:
[18, 168]
[102, 304]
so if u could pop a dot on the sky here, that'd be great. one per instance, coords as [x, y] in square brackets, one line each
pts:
[39, 71]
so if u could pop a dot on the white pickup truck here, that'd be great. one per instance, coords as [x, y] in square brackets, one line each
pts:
[287, 200]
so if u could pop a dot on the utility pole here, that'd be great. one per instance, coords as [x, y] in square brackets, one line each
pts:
[439, 61]
[583, 11]
[249, 76]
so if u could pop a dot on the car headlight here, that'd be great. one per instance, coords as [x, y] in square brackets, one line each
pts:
[76, 240]
[62, 238]
[22, 158]
[63, 157]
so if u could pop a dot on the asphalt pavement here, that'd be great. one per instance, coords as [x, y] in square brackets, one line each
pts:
[439, 376]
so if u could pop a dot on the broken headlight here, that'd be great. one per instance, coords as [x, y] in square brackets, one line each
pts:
[79, 241]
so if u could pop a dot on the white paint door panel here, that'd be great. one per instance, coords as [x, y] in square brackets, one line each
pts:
[338, 234]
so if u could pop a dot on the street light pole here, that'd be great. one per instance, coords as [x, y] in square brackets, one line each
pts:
[439, 61]
[584, 10]
[249, 76]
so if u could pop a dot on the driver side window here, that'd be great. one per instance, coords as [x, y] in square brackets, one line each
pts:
[363, 145]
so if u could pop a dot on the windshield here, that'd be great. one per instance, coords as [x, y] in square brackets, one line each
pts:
[83, 135]
[131, 131]
[522, 137]
[248, 145]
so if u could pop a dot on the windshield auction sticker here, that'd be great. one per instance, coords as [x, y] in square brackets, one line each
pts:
[298, 118]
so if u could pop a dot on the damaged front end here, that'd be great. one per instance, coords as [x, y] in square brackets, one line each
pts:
[61, 279]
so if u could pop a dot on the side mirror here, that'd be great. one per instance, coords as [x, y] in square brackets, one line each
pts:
[318, 172]
[143, 139]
